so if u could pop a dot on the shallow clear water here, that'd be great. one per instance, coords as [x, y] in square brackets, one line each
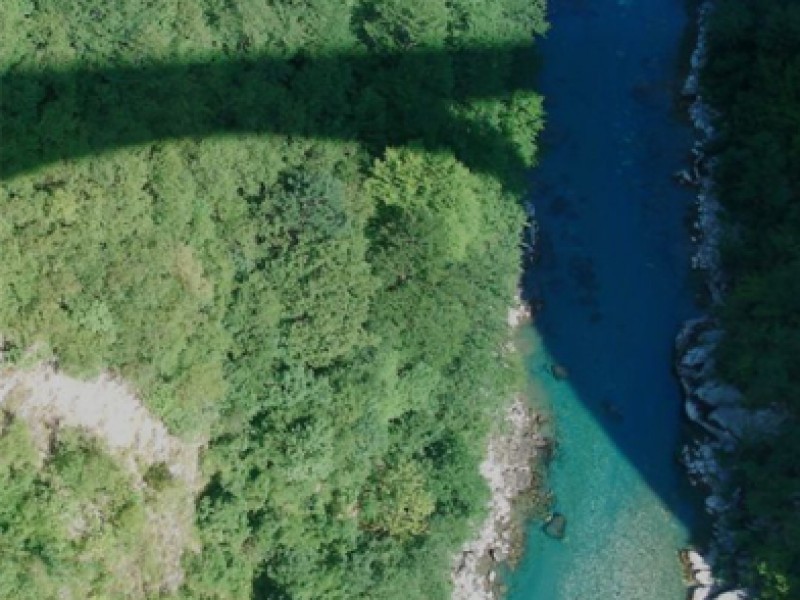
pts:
[614, 282]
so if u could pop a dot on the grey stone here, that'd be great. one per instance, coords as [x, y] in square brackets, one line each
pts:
[741, 421]
[556, 526]
[716, 504]
[716, 394]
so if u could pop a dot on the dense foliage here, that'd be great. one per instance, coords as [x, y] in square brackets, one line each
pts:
[753, 78]
[323, 300]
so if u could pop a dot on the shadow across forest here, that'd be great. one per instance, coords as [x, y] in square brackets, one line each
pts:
[415, 97]
[374, 98]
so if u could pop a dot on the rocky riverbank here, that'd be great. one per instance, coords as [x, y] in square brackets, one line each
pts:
[713, 405]
[510, 472]
[708, 402]
[716, 408]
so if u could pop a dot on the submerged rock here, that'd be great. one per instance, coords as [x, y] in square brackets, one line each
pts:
[559, 372]
[704, 578]
[612, 411]
[556, 526]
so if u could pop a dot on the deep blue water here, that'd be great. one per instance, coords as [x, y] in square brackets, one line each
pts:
[614, 279]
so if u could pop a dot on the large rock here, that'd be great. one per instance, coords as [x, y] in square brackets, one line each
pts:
[696, 357]
[556, 526]
[693, 412]
[696, 561]
[698, 568]
[716, 394]
[719, 432]
[559, 372]
[741, 421]
[689, 332]
[701, 593]
[704, 578]
[731, 418]
[716, 504]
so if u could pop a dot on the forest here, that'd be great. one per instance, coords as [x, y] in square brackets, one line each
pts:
[753, 80]
[293, 227]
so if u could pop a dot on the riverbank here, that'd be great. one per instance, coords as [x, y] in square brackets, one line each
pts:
[510, 469]
[738, 365]
[706, 400]
[713, 405]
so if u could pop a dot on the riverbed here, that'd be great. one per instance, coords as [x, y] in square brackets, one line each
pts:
[613, 279]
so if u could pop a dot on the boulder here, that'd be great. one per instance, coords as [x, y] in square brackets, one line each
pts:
[716, 504]
[693, 412]
[717, 394]
[704, 578]
[556, 526]
[701, 593]
[696, 561]
[696, 357]
[691, 87]
[684, 177]
[689, 332]
[731, 418]
[741, 421]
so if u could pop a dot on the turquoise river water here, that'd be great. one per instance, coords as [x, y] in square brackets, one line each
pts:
[614, 280]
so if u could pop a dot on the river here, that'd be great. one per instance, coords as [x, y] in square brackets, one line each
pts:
[614, 281]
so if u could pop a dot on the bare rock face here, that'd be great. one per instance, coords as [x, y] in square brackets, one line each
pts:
[107, 410]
